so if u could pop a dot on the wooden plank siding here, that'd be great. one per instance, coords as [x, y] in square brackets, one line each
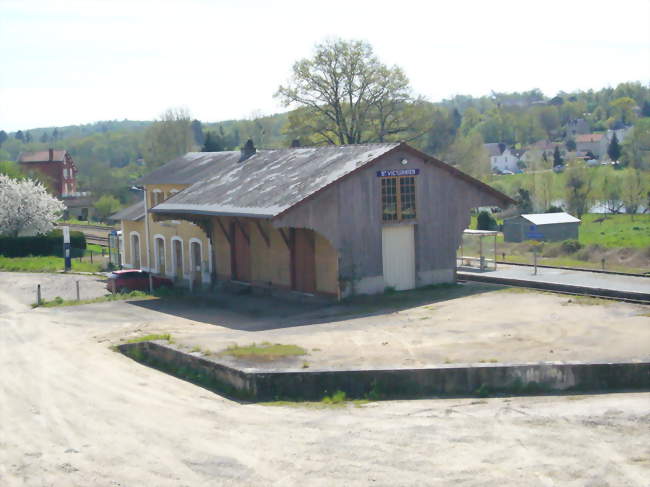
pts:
[348, 214]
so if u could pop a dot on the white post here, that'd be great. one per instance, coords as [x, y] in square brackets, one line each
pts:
[146, 231]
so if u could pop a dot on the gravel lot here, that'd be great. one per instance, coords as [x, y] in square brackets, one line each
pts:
[75, 413]
[22, 286]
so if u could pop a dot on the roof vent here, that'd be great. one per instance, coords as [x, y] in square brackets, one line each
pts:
[248, 150]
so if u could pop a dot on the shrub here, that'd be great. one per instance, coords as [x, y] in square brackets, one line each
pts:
[485, 221]
[48, 244]
[571, 246]
[552, 251]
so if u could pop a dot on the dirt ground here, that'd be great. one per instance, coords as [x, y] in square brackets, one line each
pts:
[75, 413]
[486, 325]
[22, 286]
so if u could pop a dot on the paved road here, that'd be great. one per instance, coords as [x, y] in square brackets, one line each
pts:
[74, 413]
[571, 277]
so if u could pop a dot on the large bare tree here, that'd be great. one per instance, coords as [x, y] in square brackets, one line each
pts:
[168, 137]
[347, 96]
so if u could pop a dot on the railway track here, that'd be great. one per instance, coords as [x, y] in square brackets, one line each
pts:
[103, 241]
[95, 234]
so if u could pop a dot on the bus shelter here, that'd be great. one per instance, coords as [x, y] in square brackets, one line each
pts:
[478, 250]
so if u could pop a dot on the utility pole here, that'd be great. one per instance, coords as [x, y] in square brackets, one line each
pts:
[146, 231]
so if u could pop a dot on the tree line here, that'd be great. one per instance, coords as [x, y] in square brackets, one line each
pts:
[343, 94]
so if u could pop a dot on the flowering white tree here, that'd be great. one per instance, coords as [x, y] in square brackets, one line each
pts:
[25, 206]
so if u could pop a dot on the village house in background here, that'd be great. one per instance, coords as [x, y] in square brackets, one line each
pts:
[331, 221]
[60, 174]
[547, 227]
[502, 158]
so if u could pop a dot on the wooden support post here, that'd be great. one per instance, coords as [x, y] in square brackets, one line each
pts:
[38, 295]
[285, 238]
[241, 228]
[263, 233]
[535, 261]
[78, 295]
[91, 256]
[225, 233]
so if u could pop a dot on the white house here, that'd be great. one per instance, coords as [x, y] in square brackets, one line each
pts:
[501, 158]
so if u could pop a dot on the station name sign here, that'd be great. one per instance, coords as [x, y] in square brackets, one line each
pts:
[397, 172]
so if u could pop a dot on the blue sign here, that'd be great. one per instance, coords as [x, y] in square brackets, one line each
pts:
[534, 236]
[397, 172]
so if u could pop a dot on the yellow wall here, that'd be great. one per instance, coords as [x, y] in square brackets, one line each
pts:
[327, 266]
[167, 229]
[270, 264]
[165, 189]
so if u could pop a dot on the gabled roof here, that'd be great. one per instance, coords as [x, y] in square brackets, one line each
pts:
[42, 156]
[264, 185]
[271, 182]
[132, 213]
[549, 218]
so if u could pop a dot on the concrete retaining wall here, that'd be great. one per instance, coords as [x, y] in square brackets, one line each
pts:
[262, 385]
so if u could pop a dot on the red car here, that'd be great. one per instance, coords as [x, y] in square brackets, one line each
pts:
[134, 280]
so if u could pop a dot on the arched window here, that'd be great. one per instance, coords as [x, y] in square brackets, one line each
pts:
[159, 254]
[135, 250]
[177, 258]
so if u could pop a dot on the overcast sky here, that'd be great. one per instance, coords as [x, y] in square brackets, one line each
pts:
[78, 61]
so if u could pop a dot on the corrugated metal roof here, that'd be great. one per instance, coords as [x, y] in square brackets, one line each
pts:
[42, 156]
[132, 213]
[548, 218]
[263, 185]
[190, 168]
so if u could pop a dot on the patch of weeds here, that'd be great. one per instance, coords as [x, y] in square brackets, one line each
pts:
[517, 290]
[588, 301]
[59, 301]
[264, 351]
[449, 361]
[337, 398]
[150, 338]
[315, 404]
[305, 365]
[389, 290]
[315, 349]
[488, 361]
[196, 349]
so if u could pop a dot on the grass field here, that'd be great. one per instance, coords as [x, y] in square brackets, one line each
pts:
[46, 264]
[631, 231]
[624, 231]
[622, 240]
